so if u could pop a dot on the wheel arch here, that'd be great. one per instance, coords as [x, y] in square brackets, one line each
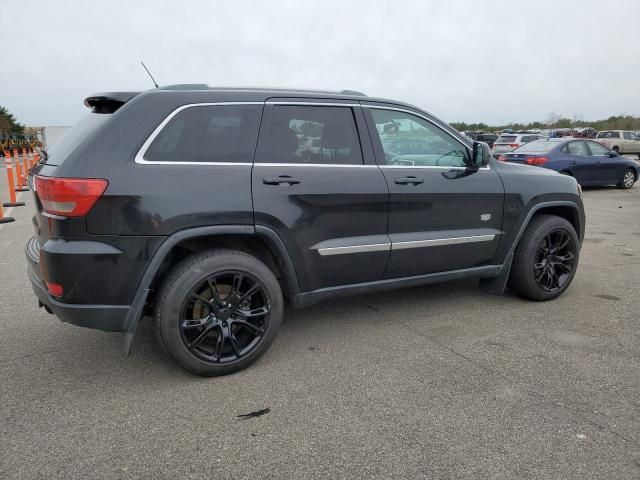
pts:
[260, 241]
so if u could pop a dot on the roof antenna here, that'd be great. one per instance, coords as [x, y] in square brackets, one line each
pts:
[151, 76]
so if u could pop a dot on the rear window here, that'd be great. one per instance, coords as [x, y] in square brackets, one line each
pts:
[529, 138]
[81, 132]
[506, 139]
[539, 146]
[218, 133]
[608, 135]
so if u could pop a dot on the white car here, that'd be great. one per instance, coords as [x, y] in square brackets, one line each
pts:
[510, 141]
[622, 141]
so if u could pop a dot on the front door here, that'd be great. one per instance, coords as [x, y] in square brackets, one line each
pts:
[318, 187]
[584, 167]
[608, 170]
[442, 216]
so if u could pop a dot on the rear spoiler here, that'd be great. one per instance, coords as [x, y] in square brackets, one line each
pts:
[108, 102]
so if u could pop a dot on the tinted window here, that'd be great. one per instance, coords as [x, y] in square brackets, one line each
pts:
[307, 134]
[506, 139]
[539, 146]
[577, 148]
[412, 141]
[609, 135]
[530, 138]
[218, 133]
[598, 150]
[81, 132]
[628, 136]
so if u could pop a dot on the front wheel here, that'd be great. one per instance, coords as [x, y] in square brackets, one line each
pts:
[218, 312]
[546, 259]
[628, 179]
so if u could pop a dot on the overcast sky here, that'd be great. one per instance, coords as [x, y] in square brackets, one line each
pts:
[474, 60]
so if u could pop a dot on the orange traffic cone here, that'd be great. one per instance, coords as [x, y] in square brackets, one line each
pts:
[12, 188]
[19, 176]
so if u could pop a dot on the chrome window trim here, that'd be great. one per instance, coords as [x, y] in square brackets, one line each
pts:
[322, 165]
[139, 158]
[436, 242]
[374, 247]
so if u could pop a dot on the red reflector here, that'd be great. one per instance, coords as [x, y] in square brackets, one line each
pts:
[536, 160]
[69, 197]
[502, 158]
[54, 289]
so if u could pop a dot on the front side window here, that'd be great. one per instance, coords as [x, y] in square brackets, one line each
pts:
[408, 140]
[577, 148]
[598, 150]
[208, 133]
[311, 135]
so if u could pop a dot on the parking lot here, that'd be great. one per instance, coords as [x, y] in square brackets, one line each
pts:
[440, 381]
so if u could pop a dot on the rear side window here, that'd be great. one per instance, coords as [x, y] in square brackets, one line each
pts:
[83, 131]
[311, 135]
[506, 139]
[577, 148]
[208, 133]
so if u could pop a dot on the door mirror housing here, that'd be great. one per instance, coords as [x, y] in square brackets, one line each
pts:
[612, 153]
[481, 155]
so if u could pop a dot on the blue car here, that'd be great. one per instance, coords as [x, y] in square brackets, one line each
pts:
[590, 162]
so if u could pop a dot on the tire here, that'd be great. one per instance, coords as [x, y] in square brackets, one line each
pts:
[219, 333]
[628, 179]
[530, 260]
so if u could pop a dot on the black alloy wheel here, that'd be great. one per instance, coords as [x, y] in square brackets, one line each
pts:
[554, 260]
[218, 311]
[225, 316]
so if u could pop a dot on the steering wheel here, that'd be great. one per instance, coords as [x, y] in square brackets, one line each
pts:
[445, 155]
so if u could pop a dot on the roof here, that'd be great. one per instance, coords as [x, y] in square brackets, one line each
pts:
[202, 86]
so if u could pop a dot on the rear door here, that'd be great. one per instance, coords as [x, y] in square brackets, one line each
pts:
[442, 216]
[315, 183]
[583, 166]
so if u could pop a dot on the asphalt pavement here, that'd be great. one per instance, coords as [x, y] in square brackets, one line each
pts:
[432, 382]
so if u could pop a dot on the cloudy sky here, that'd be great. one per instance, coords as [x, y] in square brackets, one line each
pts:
[473, 60]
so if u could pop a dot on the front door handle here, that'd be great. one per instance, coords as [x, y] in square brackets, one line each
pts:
[286, 179]
[574, 162]
[409, 181]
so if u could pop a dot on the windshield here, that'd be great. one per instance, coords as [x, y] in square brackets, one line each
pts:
[539, 146]
[73, 137]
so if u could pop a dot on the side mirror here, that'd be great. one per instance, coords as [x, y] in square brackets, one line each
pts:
[481, 154]
[612, 153]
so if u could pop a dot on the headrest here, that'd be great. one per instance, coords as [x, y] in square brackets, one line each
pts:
[285, 140]
[335, 136]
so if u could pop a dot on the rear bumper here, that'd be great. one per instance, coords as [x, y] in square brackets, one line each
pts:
[102, 317]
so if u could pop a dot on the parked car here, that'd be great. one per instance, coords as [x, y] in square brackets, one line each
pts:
[622, 141]
[213, 209]
[507, 143]
[485, 137]
[590, 162]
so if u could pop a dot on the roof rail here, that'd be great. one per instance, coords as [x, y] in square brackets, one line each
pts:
[352, 92]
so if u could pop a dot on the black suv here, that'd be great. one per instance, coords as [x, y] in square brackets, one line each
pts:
[212, 209]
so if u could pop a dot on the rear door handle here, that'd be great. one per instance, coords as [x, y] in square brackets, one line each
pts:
[281, 179]
[408, 181]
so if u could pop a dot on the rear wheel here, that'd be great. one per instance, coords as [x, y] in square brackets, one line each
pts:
[218, 312]
[628, 179]
[545, 259]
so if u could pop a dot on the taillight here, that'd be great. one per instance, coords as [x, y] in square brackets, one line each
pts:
[502, 158]
[54, 289]
[69, 197]
[536, 160]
